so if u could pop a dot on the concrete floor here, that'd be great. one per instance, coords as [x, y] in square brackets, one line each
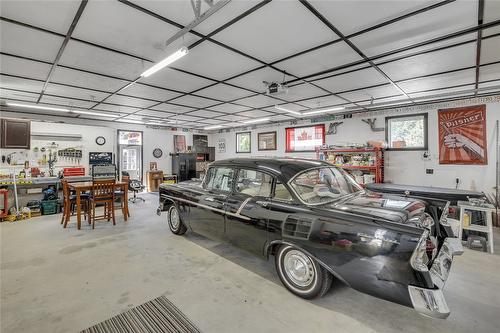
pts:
[64, 280]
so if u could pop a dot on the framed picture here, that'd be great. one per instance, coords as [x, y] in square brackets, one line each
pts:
[243, 142]
[462, 135]
[221, 145]
[304, 138]
[266, 141]
[179, 143]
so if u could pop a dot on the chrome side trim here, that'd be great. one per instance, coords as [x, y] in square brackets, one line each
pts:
[243, 205]
[208, 207]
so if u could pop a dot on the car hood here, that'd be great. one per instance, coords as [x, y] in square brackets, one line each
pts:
[380, 206]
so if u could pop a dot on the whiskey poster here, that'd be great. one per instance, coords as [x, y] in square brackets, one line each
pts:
[462, 135]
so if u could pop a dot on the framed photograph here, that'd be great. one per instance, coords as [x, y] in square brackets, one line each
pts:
[179, 143]
[266, 141]
[462, 135]
[304, 138]
[244, 142]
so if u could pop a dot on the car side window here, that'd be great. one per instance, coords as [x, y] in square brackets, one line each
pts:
[281, 192]
[220, 179]
[254, 183]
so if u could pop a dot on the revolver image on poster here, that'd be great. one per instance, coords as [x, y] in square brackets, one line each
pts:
[460, 141]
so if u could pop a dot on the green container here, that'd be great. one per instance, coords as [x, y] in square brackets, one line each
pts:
[49, 207]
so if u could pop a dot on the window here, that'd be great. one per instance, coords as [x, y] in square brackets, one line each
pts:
[220, 179]
[305, 138]
[323, 185]
[282, 193]
[406, 132]
[254, 183]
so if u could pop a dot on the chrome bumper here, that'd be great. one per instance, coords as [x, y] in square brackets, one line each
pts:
[431, 302]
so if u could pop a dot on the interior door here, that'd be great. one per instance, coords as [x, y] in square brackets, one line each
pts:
[131, 160]
[247, 210]
[208, 218]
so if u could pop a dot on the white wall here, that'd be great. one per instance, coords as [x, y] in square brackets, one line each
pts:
[402, 167]
[90, 130]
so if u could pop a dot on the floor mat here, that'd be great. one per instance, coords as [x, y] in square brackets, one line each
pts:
[158, 315]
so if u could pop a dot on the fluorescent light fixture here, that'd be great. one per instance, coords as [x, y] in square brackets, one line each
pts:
[287, 110]
[167, 61]
[39, 107]
[323, 110]
[212, 127]
[100, 114]
[130, 121]
[260, 120]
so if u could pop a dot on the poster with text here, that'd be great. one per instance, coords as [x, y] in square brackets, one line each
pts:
[305, 138]
[462, 135]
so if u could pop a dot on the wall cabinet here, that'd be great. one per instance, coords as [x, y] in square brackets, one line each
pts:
[16, 133]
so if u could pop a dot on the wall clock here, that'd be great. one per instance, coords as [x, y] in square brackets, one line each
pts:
[157, 152]
[100, 140]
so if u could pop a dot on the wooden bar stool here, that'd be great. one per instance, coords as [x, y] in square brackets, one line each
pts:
[120, 196]
[103, 192]
[69, 204]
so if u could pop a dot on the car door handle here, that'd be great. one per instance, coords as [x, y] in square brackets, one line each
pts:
[262, 203]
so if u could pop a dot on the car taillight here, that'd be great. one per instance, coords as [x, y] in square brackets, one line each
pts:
[443, 220]
[419, 259]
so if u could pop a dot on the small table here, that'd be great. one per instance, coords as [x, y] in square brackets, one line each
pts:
[87, 186]
[487, 210]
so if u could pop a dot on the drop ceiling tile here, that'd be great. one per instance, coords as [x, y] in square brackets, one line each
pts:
[28, 42]
[491, 31]
[258, 101]
[443, 93]
[276, 30]
[256, 113]
[215, 62]
[176, 80]
[491, 72]
[141, 90]
[435, 62]
[224, 92]
[172, 108]
[491, 11]
[358, 79]
[115, 108]
[186, 118]
[493, 85]
[20, 84]
[213, 121]
[367, 94]
[438, 81]
[145, 37]
[319, 60]
[255, 79]
[281, 117]
[302, 91]
[194, 101]
[65, 91]
[155, 113]
[67, 102]
[83, 79]
[16, 95]
[91, 58]
[435, 23]
[368, 13]
[233, 117]
[22, 67]
[52, 15]
[323, 101]
[206, 113]
[229, 108]
[490, 50]
[130, 101]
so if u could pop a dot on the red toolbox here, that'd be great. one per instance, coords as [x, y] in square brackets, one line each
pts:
[78, 171]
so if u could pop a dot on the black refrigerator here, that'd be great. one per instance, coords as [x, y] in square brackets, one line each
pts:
[184, 166]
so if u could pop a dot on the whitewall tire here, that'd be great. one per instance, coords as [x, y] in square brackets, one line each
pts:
[174, 221]
[301, 274]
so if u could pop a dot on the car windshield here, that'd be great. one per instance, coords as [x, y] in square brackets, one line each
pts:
[324, 185]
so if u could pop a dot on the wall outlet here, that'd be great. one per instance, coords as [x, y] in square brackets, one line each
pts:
[429, 171]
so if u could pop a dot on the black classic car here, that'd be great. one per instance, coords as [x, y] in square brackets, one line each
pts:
[320, 225]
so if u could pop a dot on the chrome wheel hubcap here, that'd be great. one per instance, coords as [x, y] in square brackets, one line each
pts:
[174, 218]
[298, 268]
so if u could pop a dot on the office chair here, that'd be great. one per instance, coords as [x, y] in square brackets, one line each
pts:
[135, 186]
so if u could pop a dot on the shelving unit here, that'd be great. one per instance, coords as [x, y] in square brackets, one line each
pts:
[374, 165]
[466, 208]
